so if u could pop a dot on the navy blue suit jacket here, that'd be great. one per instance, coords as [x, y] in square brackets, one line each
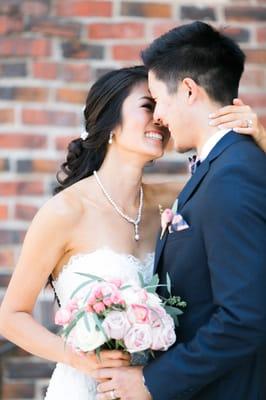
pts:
[218, 266]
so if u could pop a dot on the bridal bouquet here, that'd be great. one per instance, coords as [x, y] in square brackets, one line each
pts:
[116, 315]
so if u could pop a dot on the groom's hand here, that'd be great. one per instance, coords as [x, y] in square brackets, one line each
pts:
[124, 383]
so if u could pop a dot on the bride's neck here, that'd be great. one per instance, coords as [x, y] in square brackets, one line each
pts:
[122, 180]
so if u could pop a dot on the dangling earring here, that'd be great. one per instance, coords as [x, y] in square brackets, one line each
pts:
[110, 141]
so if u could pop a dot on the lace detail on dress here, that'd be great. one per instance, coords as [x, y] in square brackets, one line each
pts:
[68, 383]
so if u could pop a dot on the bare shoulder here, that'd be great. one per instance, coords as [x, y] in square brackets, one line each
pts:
[163, 193]
[61, 211]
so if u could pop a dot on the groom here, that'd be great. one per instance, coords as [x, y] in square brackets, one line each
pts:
[218, 264]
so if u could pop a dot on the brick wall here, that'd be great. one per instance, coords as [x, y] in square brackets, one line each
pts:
[50, 53]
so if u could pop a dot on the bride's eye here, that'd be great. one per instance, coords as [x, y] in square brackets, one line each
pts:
[149, 106]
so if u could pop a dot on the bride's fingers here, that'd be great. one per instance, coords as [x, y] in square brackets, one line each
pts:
[238, 102]
[115, 355]
[230, 110]
[232, 117]
[105, 386]
[113, 363]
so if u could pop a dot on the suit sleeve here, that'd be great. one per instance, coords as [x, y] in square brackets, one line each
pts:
[234, 232]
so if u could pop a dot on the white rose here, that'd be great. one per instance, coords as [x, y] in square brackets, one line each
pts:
[84, 339]
[153, 300]
[131, 295]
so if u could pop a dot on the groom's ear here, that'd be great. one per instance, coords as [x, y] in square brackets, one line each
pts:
[191, 89]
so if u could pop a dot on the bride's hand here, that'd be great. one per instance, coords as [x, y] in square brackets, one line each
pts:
[87, 362]
[242, 119]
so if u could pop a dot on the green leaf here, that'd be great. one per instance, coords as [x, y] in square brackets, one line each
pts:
[72, 324]
[86, 321]
[79, 288]
[99, 325]
[125, 287]
[168, 283]
[93, 277]
[141, 280]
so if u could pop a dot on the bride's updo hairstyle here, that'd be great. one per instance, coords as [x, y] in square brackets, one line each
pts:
[103, 112]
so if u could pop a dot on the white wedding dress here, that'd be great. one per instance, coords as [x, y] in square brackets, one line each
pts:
[66, 382]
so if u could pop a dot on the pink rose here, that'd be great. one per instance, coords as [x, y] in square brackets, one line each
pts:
[138, 338]
[164, 336]
[157, 315]
[116, 325]
[63, 316]
[138, 313]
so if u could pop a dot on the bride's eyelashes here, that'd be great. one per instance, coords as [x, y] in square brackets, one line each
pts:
[149, 106]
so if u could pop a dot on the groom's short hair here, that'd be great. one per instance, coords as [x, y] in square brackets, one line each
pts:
[198, 51]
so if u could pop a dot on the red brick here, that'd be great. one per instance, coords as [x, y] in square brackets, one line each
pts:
[125, 30]
[3, 211]
[7, 258]
[253, 78]
[159, 28]
[245, 13]
[23, 47]
[71, 95]
[34, 8]
[257, 100]
[45, 117]
[44, 70]
[256, 56]
[147, 10]
[10, 24]
[127, 52]
[10, 188]
[84, 8]
[25, 212]
[22, 140]
[45, 165]
[261, 35]
[54, 27]
[7, 115]
[23, 93]
[4, 164]
[74, 72]
[18, 390]
[62, 142]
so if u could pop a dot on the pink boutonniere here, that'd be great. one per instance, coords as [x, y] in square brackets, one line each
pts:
[167, 216]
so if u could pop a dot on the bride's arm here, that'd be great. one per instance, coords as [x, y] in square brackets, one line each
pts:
[43, 246]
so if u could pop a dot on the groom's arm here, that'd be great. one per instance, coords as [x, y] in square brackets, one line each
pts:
[235, 239]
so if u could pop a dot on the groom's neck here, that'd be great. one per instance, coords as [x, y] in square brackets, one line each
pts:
[202, 125]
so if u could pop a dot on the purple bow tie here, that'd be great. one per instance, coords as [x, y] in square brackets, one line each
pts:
[194, 162]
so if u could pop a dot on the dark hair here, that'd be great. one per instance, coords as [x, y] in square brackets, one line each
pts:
[102, 114]
[198, 51]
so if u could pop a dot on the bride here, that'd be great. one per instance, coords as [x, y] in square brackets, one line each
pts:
[103, 217]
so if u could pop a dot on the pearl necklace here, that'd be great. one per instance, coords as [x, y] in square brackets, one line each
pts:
[136, 221]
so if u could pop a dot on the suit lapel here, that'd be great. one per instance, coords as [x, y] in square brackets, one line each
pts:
[195, 181]
[159, 248]
[202, 170]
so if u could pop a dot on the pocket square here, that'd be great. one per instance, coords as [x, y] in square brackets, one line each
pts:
[178, 224]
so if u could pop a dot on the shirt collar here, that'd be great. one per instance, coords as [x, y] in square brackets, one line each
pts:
[211, 142]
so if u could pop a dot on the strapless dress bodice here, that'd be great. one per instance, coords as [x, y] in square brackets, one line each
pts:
[66, 382]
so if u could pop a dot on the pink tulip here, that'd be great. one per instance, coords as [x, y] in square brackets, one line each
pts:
[99, 307]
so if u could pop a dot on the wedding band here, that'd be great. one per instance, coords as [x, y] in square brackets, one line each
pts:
[113, 395]
[249, 123]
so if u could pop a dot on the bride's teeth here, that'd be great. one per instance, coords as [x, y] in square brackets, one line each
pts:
[154, 136]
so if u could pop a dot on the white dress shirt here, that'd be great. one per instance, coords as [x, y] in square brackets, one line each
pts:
[211, 142]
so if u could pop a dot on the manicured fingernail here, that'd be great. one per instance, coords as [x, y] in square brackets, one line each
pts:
[211, 122]
[211, 115]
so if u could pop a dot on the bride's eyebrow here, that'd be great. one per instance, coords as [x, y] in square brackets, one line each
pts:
[147, 98]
